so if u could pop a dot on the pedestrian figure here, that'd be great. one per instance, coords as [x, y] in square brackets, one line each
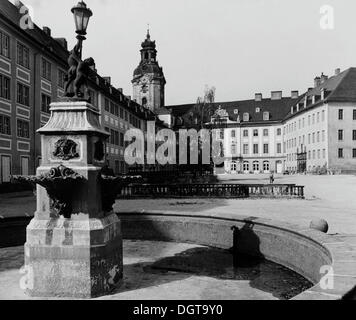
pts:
[271, 178]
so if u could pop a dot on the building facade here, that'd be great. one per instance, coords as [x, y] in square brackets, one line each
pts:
[310, 133]
[32, 75]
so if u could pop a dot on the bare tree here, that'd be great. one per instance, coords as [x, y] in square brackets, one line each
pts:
[203, 110]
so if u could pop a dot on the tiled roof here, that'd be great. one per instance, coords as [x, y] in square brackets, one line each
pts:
[277, 109]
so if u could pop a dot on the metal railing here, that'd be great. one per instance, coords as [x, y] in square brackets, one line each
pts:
[210, 191]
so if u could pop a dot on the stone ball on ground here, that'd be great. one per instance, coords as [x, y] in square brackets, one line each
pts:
[320, 225]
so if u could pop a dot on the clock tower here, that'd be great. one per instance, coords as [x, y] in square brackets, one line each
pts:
[148, 79]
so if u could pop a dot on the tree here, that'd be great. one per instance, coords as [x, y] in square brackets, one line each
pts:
[203, 110]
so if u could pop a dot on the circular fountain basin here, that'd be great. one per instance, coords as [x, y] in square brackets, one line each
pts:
[183, 256]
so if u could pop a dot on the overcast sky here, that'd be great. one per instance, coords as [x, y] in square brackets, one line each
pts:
[238, 46]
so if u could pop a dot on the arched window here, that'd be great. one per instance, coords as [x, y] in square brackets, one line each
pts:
[146, 55]
[266, 166]
[144, 101]
[246, 166]
[256, 166]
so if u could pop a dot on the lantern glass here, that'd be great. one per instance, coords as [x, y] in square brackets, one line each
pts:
[82, 15]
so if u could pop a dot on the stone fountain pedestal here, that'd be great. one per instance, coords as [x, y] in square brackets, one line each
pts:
[74, 242]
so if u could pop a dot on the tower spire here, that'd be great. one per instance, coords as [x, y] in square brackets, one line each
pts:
[148, 31]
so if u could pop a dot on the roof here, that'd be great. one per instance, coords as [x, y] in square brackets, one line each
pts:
[277, 109]
[338, 88]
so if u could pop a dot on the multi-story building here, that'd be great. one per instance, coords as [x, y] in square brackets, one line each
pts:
[314, 132]
[32, 75]
[320, 129]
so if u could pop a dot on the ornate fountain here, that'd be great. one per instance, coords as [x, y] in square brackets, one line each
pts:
[74, 242]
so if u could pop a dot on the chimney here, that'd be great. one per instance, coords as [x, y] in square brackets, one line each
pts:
[295, 94]
[258, 96]
[107, 79]
[47, 31]
[276, 95]
[337, 71]
[18, 4]
[323, 78]
[317, 82]
[62, 42]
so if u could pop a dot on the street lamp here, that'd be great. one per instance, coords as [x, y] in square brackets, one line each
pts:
[82, 15]
[77, 75]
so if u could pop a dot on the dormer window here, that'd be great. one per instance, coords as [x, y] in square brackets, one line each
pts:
[246, 117]
[266, 116]
[236, 111]
[258, 110]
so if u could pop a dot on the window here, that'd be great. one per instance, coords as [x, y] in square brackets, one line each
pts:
[255, 148]
[318, 117]
[323, 135]
[45, 102]
[323, 116]
[5, 87]
[245, 133]
[318, 136]
[309, 120]
[233, 134]
[265, 116]
[341, 135]
[265, 166]
[23, 94]
[341, 114]
[279, 132]
[265, 148]
[314, 154]
[303, 121]
[246, 117]
[121, 139]
[23, 129]
[279, 148]
[23, 55]
[309, 140]
[121, 113]
[256, 166]
[246, 166]
[126, 115]
[313, 118]
[222, 134]
[324, 153]
[313, 137]
[245, 148]
[354, 135]
[233, 149]
[5, 125]
[309, 155]
[341, 153]
[46, 69]
[265, 132]
[255, 133]
[61, 78]
[4, 45]
[107, 105]
[319, 154]
[354, 153]
[354, 114]
[144, 101]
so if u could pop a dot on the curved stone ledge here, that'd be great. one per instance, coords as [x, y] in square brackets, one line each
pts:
[302, 250]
